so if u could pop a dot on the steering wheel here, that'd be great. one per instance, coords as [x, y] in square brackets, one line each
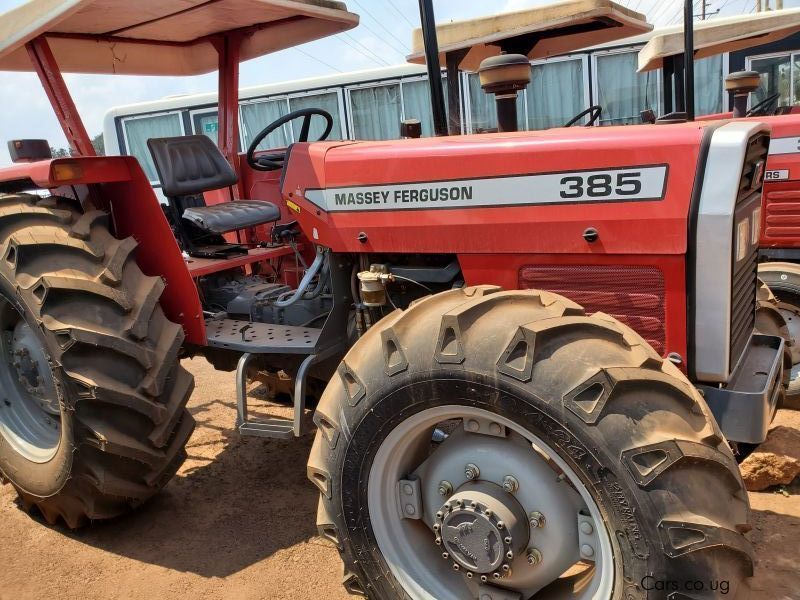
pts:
[766, 107]
[274, 161]
[595, 111]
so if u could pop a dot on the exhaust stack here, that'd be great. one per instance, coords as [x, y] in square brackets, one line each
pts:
[740, 85]
[504, 76]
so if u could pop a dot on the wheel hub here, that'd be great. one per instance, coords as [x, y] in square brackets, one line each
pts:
[31, 367]
[482, 528]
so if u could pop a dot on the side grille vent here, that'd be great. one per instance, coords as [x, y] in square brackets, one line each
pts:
[632, 294]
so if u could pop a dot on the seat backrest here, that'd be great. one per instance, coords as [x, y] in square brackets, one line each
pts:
[190, 164]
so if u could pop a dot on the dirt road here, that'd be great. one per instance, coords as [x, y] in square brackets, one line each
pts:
[238, 523]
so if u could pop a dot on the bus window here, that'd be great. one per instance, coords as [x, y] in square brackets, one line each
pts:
[776, 78]
[622, 92]
[417, 103]
[140, 129]
[483, 110]
[707, 85]
[326, 101]
[556, 93]
[376, 112]
[257, 115]
[206, 123]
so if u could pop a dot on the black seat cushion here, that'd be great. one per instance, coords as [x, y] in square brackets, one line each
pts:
[190, 164]
[232, 216]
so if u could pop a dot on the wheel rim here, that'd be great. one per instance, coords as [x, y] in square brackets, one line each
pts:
[552, 558]
[30, 415]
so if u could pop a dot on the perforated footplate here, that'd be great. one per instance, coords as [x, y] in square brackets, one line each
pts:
[261, 338]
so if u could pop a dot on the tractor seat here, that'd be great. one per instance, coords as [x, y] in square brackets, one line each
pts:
[190, 165]
[232, 216]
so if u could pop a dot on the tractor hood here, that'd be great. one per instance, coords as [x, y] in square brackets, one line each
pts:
[157, 37]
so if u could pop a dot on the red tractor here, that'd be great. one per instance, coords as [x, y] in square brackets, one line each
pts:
[778, 233]
[532, 352]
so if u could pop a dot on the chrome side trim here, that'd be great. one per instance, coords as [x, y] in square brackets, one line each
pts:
[715, 247]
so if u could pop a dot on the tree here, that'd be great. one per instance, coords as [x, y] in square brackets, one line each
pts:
[99, 144]
[97, 141]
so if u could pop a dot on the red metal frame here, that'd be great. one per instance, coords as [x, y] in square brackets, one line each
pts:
[228, 50]
[49, 74]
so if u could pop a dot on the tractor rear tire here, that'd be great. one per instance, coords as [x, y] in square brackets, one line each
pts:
[93, 419]
[639, 438]
[783, 281]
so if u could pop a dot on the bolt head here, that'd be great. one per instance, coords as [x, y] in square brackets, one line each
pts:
[445, 488]
[586, 528]
[472, 471]
[534, 556]
[510, 484]
[587, 550]
[536, 519]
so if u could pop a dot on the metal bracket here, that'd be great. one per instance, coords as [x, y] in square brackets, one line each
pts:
[484, 427]
[409, 499]
[587, 537]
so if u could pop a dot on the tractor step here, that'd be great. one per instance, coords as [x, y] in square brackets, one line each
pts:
[261, 338]
[276, 427]
[269, 428]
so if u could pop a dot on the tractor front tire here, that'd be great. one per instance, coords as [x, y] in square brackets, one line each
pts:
[783, 282]
[93, 418]
[453, 406]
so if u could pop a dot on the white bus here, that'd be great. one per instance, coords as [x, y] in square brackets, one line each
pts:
[371, 104]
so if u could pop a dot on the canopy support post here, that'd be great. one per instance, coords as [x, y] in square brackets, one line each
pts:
[50, 75]
[434, 66]
[228, 51]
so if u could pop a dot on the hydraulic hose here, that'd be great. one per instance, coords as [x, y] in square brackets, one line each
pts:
[312, 272]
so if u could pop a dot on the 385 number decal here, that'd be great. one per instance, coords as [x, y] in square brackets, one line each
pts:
[603, 185]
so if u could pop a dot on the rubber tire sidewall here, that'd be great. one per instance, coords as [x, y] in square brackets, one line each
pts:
[47, 478]
[616, 496]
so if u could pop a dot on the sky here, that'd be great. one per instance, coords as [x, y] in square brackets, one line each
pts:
[383, 37]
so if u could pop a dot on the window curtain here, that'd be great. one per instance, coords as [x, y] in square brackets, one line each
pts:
[376, 112]
[257, 115]
[622, 92]
[328, 102]
[555, 93]
[708, 85]
[138, 131]
[417, 103]
[483, 110]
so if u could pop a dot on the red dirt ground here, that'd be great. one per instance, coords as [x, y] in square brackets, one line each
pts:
[238, 523]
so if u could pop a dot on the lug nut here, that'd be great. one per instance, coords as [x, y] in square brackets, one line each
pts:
[534, 557]
[445, 488]
[510, 484]
[536, 519]
[472, 471]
